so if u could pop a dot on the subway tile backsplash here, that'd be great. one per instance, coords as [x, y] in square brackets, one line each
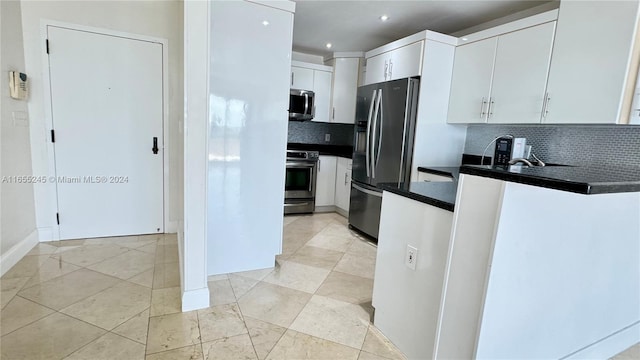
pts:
[566, 144]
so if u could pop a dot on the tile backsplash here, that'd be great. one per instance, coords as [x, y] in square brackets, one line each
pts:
[566, 144]
[311, 132]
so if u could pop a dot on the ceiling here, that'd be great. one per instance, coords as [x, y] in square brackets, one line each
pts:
[356, 25]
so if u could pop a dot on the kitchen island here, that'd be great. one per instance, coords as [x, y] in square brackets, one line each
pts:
[532, 263]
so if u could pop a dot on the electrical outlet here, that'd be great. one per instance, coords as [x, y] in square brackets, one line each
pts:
[411, 257]
[327, 137]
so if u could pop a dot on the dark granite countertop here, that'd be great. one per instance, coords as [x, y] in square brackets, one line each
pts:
[451, 171]
[582, 180]
[438, 194]
[324, 149]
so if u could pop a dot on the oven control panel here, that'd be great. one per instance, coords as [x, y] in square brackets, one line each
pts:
[302, 155]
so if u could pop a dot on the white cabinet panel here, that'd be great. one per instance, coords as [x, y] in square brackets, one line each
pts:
[407, 301]
[377, 68]
[322, 89]
[520, 75]
[399, 63]
[345, 90]
[406, 61]
[244, 51]
[326, 181]
[590, 61]
[301, 78]
[471, 82]
[343, 183]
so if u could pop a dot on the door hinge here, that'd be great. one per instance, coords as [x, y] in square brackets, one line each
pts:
[58, 218]
[53, 136]
[47, 43]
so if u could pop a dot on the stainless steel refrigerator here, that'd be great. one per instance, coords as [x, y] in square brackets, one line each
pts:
[382, 148]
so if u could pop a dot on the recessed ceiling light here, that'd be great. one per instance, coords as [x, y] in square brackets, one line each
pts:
[464, 39]
[265, 23]
[384, 18]
[328, 45]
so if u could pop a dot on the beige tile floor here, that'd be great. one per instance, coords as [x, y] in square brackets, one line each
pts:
[119, 298]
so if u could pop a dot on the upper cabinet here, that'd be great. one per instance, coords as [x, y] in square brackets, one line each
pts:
[395, 63]
[317, 78]
[301, 78]
[589, 76]
[345, 89]
[502, 79]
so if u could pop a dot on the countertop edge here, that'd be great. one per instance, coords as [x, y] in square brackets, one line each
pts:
[420, 198]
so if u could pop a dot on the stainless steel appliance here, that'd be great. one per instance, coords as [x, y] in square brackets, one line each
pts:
[301, 104]
[300, 182]
[383, 146]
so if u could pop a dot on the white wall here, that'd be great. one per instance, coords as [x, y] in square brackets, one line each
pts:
[17, 213]
[161, 19]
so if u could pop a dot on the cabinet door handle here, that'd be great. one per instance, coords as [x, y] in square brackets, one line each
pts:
[319, 164]
[334, 114]
[482, 113]
[345, 178]
[390, 69]
[292, 77]
[545, 106]
[489, 112]
[386, 67]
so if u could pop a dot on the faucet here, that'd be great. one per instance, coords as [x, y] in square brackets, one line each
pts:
[520, 160]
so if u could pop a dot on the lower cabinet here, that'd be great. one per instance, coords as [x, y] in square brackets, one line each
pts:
[333, 184]
[326, 181]
[343, 184]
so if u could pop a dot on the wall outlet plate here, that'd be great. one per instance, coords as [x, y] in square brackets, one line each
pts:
[327, 137]
[411, 257]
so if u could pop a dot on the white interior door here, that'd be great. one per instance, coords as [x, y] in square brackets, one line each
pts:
[106, 97]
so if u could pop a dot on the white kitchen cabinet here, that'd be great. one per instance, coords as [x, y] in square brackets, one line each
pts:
[326, 181]
[343, 184]
[317, 78]
[395, 64]
[345, 89]
[520, 75]
[471, 82]
[591, 61]
[502, 79]
[322, 89]
[301, 78]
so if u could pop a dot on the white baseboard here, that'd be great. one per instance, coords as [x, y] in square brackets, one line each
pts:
[172, 227]
[342, 212]
[611, 345]
[47, 234]
[323, 209]
[17, 252]
[195, 299]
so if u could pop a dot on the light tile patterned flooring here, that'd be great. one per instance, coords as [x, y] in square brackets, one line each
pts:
[119, 298]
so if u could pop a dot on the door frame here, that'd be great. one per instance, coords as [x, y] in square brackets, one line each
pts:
[52, 192]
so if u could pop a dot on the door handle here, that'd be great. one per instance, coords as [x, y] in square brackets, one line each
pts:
[155, 145]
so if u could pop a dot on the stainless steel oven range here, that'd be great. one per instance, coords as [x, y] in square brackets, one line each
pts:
[300, 182]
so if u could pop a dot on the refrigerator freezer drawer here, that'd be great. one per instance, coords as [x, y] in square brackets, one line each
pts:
[364, 209]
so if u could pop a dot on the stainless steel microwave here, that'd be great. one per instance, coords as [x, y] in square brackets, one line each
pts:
[301, 104]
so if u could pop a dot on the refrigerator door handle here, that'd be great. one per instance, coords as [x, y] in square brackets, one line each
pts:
[379, 131]
[366, 191]
[375, 126]
[368, 160]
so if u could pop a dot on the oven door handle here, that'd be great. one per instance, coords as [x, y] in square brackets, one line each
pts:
[299, 165]
[367, 151]
[297, 204]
